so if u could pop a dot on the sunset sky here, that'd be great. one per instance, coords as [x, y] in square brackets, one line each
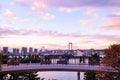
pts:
[55, 23]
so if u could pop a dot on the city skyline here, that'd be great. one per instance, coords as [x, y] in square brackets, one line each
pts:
[53, 24]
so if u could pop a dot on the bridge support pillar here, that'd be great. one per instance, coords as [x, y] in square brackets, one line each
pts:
[78, 75]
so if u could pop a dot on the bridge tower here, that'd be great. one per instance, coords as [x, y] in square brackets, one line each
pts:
[70, 46]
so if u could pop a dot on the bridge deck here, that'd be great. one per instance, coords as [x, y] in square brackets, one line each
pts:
[55, 67]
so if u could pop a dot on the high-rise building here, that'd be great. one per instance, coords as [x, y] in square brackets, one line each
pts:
[24, 50]
[30, 50]
[5, 50]
[15, 51]
[18, 51]
[35, 51]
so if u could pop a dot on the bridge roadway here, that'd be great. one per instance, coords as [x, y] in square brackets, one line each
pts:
[55, 67]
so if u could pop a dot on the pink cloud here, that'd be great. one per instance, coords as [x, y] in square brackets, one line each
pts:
[66, 5]
[54, 34]
[39, 6]
[115, 38]
[10, 14]
[89, 11]
[52, 46]
[82, 3]
[7, 31]
[47, 16]
[114, 22]
[86, 22]
[114, 15]
[56, 38]
[113, 27]
[39, 32]
[68, 10]
[21, 2]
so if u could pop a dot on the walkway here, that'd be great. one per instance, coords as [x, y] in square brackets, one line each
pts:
[55, 67]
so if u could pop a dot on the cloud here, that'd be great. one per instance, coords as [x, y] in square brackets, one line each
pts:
[40, 32]
[52, 46]
[113, 22]
[66, 5]
[113, 26]
[89, 11]
[10, 14]
[26, 20]
[86, 22]
[7, 31]
[47, 16]
[68, 10]
[114, 15]
[82, 3]
[109, 38]
[21, 2]
[39, 6]
[40, 37]
[56, 35]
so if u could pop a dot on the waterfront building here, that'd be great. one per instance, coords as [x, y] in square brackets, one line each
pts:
[15, 51]
[30, 50]
[24, 51]
[35, 51]
[5, 50]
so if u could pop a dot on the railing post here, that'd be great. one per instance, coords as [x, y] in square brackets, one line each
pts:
[78, 75]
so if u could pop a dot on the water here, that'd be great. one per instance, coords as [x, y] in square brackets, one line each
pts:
[57, 75]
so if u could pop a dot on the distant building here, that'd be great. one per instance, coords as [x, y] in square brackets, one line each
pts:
[60, 52]
[5, 50]
[15, 51]
[24, 50]
[35, 51]
[94, 51]
[79, 53]
[30, 50]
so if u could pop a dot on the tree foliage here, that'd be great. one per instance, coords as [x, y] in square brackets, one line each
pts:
[112, 56]
[0, 60]
[112, 59]
[90, 76]
[20, 76]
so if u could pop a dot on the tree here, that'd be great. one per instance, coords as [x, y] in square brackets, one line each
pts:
[90, 76]
[0, 60]
[5, 59]
[112, 59]
[24, 76]
[94, 59]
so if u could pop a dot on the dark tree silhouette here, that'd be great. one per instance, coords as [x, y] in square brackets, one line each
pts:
[94, 59]
[90, 76]
[0, 60]
[112, 59]
[24, 76]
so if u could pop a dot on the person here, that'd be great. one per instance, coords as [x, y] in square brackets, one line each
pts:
[66, 59]
[80, 59]
[83, 58]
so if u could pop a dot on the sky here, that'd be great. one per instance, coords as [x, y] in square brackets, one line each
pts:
[54, 23]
